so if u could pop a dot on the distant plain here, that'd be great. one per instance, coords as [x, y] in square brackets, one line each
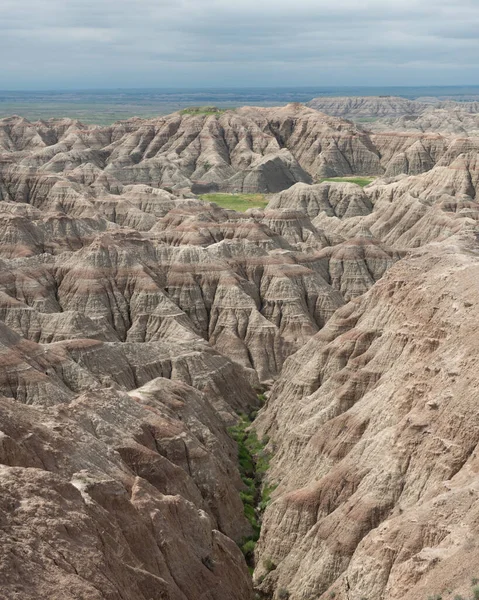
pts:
[103, 107]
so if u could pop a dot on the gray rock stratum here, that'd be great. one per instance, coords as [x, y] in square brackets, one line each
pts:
[353, 107]
[453, 120]
[394, 114]
[356, 107]
[137, 321]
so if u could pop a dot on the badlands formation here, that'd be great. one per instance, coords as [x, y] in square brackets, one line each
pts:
[137, 322]
[389, 113]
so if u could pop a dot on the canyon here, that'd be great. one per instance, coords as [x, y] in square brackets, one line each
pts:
[141, 325]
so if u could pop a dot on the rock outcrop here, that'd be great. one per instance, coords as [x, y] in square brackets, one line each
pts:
[395, 114]
[353, 107]
[455, 120]
[332, 199]
[119, 494]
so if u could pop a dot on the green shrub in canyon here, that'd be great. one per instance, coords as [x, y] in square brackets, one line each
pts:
[253, 462]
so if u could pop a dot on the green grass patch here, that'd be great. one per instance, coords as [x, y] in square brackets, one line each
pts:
[253, 462]
[266, 496]
[239, 202]
[362, 181]
[204, 110]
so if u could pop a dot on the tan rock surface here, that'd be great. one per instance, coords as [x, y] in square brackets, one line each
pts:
[97, 502]
[382, 467]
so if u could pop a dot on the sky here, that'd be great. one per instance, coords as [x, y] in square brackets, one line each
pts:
[81, 44]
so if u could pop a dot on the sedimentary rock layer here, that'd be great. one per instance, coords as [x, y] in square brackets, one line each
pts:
[377, 414]
[248, 149]
[353, 107]
[137, 322]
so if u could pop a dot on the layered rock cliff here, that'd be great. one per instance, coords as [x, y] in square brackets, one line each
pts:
[138, 322]
[357, 107]
[247, 149]
[377, 413]
[350, 107]
[394, 114]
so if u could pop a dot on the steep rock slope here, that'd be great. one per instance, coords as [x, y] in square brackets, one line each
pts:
[381, 502]
[116, 495]
[334, 199]
[401, 212]
[125, 288]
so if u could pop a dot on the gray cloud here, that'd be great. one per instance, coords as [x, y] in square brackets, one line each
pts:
[119, 43]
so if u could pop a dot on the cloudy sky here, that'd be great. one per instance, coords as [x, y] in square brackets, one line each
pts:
[51, 44]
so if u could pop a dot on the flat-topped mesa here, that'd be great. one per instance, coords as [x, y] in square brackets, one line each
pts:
[456, 120]
[351, 107]
[387, 107]
[394, 114]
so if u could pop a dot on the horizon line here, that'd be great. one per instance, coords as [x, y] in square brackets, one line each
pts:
[244, 87]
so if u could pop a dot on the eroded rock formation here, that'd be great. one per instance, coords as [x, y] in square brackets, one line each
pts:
[137, 322]
[381, 502]
[248, 149]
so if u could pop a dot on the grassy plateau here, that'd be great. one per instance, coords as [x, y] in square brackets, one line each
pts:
[239, 202]
[203, 110]
[362, 181]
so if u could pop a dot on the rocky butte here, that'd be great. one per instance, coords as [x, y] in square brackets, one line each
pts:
[199, 403]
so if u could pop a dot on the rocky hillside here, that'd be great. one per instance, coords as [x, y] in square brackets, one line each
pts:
[139, 323]
[394, 114]
[248, 150]
[355, 107]
[378, 414]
